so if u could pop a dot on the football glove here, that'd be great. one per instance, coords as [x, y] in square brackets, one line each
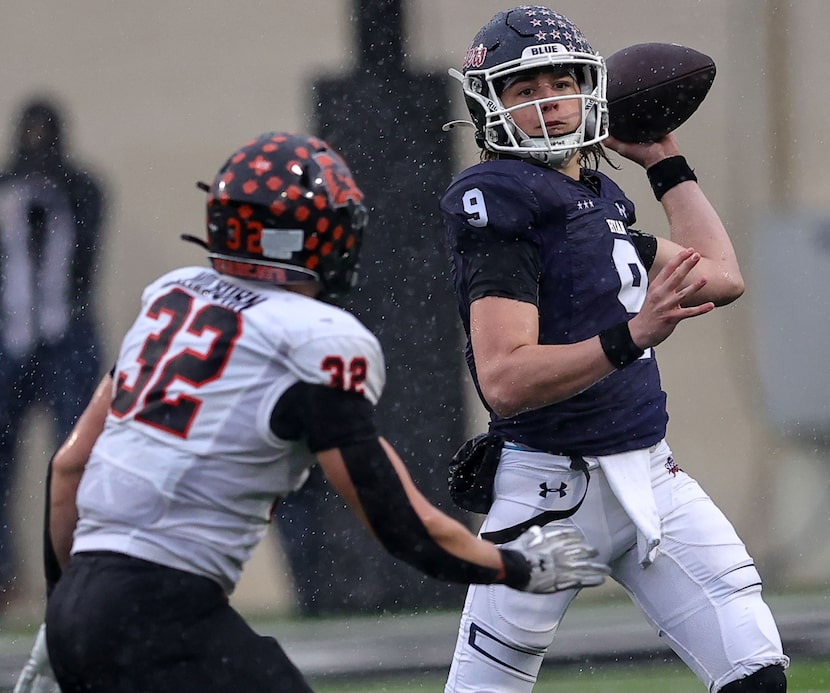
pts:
[556, 558]
[37, 676]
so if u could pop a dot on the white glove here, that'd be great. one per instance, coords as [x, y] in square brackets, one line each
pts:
[558, 558]
[37, 676]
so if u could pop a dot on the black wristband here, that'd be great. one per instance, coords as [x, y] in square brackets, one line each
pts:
[618, 346]
[665, 174]
[516, 569]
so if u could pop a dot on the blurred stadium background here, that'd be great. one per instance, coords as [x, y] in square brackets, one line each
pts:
[158, 93]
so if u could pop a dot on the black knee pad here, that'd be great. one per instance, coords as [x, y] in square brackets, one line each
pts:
[770, 679]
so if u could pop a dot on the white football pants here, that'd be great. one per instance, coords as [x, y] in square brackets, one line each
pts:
[701, 593]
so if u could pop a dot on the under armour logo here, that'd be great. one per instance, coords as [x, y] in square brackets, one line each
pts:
[545, 490]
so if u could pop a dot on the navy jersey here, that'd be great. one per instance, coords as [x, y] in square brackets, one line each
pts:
[531, 233]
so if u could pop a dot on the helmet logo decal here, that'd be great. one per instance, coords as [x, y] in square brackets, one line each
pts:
[338, 180]
[475, 56]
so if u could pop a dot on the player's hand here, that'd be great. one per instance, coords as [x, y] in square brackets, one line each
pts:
[663, 307]
[559, 559]
[645, 153]
[37, 676]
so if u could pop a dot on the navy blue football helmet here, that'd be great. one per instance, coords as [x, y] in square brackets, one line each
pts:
[531, 37]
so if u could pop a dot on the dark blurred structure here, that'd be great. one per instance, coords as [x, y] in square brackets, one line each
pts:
[50, 221]
[386, 120]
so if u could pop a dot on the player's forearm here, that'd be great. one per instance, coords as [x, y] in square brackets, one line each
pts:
[695, 224]
[537, 375]
[453, 537]
[68, 466]
[63, 514]
[457, 540]
[515, 372]
[375, 482]
[448, 533]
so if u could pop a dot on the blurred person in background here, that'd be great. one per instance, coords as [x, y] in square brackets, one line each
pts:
[51, 210]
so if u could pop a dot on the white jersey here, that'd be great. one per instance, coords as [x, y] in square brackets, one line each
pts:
[187, 469]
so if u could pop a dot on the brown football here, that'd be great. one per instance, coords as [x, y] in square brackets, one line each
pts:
[653, 88]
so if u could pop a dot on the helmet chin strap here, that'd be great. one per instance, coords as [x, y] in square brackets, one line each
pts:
[537, 149]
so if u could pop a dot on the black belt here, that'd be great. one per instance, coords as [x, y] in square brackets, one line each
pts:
[502, 536]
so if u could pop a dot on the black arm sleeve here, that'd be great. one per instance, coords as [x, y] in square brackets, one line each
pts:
[646, 246]
[327, 418]
[395, 522]
[504, 268]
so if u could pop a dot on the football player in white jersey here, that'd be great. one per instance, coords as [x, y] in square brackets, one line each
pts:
[233, 381]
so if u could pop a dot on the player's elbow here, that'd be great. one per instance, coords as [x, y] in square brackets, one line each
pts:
[508, 409]
[63, 463]
[503, 397]
[730, 288]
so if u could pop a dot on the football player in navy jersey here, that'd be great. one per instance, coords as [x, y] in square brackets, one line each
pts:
[563, 302]
[232, 381]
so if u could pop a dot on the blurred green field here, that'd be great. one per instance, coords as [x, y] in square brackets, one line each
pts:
[806, 676]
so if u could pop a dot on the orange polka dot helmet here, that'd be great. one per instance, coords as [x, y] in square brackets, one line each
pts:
[285, 209]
